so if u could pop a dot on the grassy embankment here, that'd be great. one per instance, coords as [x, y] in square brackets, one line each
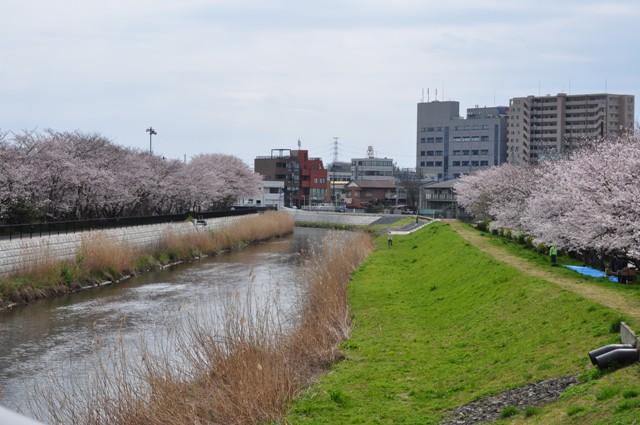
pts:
[437, 323]
[542, 259]
[248, 373]
[103, 258]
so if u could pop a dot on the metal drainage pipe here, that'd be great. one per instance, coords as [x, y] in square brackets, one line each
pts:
[621, 356]
[603, 350]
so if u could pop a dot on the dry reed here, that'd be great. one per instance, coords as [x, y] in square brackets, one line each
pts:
[101, 252]
[246, 372]
[104, 257]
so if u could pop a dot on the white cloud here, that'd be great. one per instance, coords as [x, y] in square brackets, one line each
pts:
[244, 76]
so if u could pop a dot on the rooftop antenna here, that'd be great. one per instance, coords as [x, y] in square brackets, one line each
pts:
[299, 144]
[436, 94]
[422, 100]
[428, 94]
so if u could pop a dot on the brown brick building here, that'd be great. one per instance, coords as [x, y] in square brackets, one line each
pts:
[305, 179]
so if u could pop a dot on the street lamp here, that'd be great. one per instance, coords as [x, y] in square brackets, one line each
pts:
[151, 132]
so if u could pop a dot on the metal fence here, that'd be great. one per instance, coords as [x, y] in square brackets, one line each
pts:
[21, 231]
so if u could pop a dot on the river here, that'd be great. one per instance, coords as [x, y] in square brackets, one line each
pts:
[58, 338]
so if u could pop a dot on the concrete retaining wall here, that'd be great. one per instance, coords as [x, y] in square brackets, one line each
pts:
[20, 254]
[304, 216]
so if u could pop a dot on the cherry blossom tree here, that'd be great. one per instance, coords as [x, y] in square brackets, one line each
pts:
[54, 175]
[498, 193]
[591, 200]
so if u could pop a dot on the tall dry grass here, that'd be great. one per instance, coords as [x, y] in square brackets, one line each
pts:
[249, 229]
[101, 252]
[103, 257]
[245, 370]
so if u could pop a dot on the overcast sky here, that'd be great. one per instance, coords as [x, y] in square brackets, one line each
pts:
[245, 76]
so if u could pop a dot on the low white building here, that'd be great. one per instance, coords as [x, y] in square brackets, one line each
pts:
[271, 194]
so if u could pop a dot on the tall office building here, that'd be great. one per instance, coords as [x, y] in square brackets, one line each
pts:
[545, 125]
[449, 146]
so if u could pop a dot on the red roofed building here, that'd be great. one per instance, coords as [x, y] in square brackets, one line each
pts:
[359, 193]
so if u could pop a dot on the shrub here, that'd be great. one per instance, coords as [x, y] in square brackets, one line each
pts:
[338, 397]
[508, 412]
[532, 411]
[607, 392]
[542, 248]
[574, 410]
[483, 225]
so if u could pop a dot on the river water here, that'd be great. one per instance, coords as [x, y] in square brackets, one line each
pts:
[59, 337]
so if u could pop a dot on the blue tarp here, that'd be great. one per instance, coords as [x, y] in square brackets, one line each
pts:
[588, 271]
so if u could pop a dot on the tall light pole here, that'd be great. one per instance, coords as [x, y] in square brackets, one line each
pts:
[151, 132]
[333, 172]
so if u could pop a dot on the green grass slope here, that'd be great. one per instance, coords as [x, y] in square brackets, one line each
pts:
[437, 323]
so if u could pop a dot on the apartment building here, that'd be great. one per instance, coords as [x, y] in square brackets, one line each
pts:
[546, 125]
[305, 179]
[449, 145]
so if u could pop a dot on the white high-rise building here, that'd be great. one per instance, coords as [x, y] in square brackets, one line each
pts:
[545, 125]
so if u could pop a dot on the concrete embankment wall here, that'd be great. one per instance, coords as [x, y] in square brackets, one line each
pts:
[304, 216]
[19, 254]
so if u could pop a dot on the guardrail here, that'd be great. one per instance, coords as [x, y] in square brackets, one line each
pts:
[21, 231]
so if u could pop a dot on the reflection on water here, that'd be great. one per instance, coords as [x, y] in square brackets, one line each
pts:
[60, 335]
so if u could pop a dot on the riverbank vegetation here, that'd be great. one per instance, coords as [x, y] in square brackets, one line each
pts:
[437, 324]
[103, 258]
[245, 366]
[583, 201]
[55, 176]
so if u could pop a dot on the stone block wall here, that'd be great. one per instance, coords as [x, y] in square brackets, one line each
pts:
[20, 254]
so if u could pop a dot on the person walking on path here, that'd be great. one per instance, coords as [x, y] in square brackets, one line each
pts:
[553, 252]
[389, 239]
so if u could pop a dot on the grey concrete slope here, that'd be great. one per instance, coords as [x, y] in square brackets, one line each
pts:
[304, 216]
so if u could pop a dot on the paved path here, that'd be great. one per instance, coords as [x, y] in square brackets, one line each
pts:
[607, 297]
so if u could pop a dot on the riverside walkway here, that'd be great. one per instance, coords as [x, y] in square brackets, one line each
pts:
[601, 295]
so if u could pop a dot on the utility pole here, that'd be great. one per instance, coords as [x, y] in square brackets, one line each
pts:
[151, 132]
[333, 172]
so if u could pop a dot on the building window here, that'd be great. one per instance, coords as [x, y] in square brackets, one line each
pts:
[438, 163]
[422, 140]
[422, 163]
[429, 153]
[438, 153]
[421, 153]
[429, 163]
[484, 163]
[456, 163]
